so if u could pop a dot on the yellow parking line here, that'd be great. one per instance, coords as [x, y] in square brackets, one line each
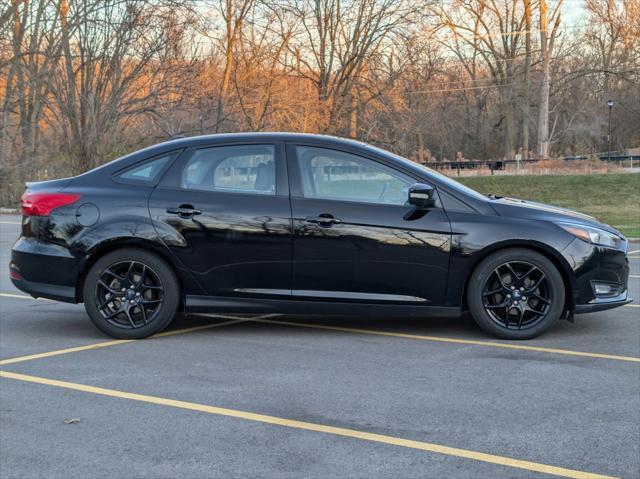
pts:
[24, 296]
[632, 305]
[491, 344]
[10, 223]
[87, 347]
[634, 251]
[315, 427]
[116, 342]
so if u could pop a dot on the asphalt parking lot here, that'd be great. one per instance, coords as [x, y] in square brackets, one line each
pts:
[305, 397]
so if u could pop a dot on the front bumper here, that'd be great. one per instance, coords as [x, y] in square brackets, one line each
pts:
[593, 265]
[602, 304]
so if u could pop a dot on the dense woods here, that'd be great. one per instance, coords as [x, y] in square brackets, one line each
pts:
[82, 82]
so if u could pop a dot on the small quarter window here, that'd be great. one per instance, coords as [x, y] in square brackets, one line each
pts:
[147, 172]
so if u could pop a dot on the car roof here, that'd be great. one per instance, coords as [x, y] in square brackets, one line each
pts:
[260, 136]
[221, 138]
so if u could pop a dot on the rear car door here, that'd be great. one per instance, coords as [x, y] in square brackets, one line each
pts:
[223, 210]
[355, 238]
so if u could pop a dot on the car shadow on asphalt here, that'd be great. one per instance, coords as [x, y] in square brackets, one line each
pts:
[453, 327]
[72, 325]
[589, 325]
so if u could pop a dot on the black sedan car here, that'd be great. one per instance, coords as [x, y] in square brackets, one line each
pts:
[292, 223]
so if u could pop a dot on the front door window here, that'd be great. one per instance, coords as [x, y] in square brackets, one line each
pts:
[336, 175]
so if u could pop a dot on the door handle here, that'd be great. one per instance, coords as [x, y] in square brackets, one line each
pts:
[184, 211]
[323, 220]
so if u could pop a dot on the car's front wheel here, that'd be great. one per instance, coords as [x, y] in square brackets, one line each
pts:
[131, 294]
[516, 294]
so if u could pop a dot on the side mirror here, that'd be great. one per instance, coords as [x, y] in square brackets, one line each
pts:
[422, 196]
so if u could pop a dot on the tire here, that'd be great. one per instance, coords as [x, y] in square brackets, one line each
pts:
[516, 294]
[131, 293]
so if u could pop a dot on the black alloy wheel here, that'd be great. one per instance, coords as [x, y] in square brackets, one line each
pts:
[131, 293]
[516, 294]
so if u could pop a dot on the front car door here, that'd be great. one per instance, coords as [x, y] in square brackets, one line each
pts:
[355, 236]
[223, 210]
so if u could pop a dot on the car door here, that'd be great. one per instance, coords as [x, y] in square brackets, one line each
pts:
[224, 212]
[355, 236]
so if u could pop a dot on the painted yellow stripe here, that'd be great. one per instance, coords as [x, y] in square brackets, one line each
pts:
[491, 344]
[309, 426]
[10, 223]
[632, 305]
[48, 354]
[106, 344]
[634, 251]
[24, 296]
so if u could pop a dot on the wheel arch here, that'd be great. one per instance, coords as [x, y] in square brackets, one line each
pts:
[550, 253]
[105, 247]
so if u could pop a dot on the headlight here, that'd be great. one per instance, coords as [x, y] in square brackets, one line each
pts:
[592, 235]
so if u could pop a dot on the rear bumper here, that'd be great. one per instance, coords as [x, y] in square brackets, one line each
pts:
[44, 270]
[57, 292]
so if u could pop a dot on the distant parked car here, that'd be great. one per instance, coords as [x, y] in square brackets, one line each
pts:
[291, 223]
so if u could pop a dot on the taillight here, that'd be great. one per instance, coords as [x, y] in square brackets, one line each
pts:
[42, 204]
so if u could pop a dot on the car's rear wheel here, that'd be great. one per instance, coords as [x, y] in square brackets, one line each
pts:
[131, 294]
[516, 294]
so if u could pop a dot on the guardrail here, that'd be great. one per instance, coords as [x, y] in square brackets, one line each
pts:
[622, 160]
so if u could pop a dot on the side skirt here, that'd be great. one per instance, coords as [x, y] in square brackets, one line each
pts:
[211, 304]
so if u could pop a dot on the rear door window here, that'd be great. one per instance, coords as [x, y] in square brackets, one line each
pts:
[232, 169]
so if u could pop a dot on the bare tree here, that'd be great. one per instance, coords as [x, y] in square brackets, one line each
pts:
[35, 49]
[547, 43]
[116, 64]
[233, 13]
[493, 29]
[258, 70]
[334, 42]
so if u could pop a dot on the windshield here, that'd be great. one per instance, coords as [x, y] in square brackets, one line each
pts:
[449, 182]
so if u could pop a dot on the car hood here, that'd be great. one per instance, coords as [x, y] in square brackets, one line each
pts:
[518, 208]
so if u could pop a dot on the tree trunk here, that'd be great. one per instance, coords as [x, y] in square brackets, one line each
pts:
[543, 108]
[353, 116]
[509, 130]
[228, 64]
[526, 109]
[507, 97]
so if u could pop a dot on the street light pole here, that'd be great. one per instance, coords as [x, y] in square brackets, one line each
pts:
[610, 105]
